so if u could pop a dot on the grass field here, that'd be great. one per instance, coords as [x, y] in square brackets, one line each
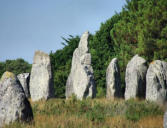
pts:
[96, 113]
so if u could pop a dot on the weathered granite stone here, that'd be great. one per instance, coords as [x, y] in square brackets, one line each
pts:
[41, 83]
[136, 78]
[156, 79]
[14, 105]
[113, 82]
[81, 80]
[24, 81]
[165, 119]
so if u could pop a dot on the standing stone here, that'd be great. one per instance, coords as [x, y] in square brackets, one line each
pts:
[136, 78]
[165, 119]
[41, 84]
[80, 82]
[24, 81]
[156, 79]
[14, 105]
[113, 81]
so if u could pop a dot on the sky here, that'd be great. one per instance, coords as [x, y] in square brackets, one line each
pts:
[30, 25]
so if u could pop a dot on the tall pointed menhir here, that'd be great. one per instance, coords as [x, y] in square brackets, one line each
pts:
[80, 82]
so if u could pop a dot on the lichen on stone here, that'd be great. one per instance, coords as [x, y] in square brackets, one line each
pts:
[152, 62]
[7, 75]
[40, 53]
[41, 57]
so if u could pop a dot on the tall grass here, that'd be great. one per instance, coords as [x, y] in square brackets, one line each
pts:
[96, 113]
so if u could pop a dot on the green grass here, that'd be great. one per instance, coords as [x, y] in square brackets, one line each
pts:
[137, 110]
[99, 113]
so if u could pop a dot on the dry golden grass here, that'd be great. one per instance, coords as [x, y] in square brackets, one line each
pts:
[61, 121]
[97, 113]
[119, 122]
[151, 122]
[147, 122]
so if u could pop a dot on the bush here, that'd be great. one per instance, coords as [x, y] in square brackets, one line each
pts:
[16, 66]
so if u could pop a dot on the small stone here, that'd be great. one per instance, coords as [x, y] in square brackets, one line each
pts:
[24, 81]
[165, 120]
[113, 81]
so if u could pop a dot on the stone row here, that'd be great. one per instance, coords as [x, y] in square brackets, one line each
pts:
[143, 81]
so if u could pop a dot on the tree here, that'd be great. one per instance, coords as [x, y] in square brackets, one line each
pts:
[61, 64]
[16, 66]
[140, 28]
[102, 51]
[2, 68]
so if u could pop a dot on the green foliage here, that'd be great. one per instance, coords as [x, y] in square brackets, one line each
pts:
[61, 64]
[16, 66]
[100, 92]
[101, 49]
[141, 28]
[2, 68]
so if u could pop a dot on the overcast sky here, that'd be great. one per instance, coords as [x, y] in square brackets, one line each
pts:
[29, 25]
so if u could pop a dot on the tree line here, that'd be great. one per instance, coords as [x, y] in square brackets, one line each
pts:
[140, 28]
